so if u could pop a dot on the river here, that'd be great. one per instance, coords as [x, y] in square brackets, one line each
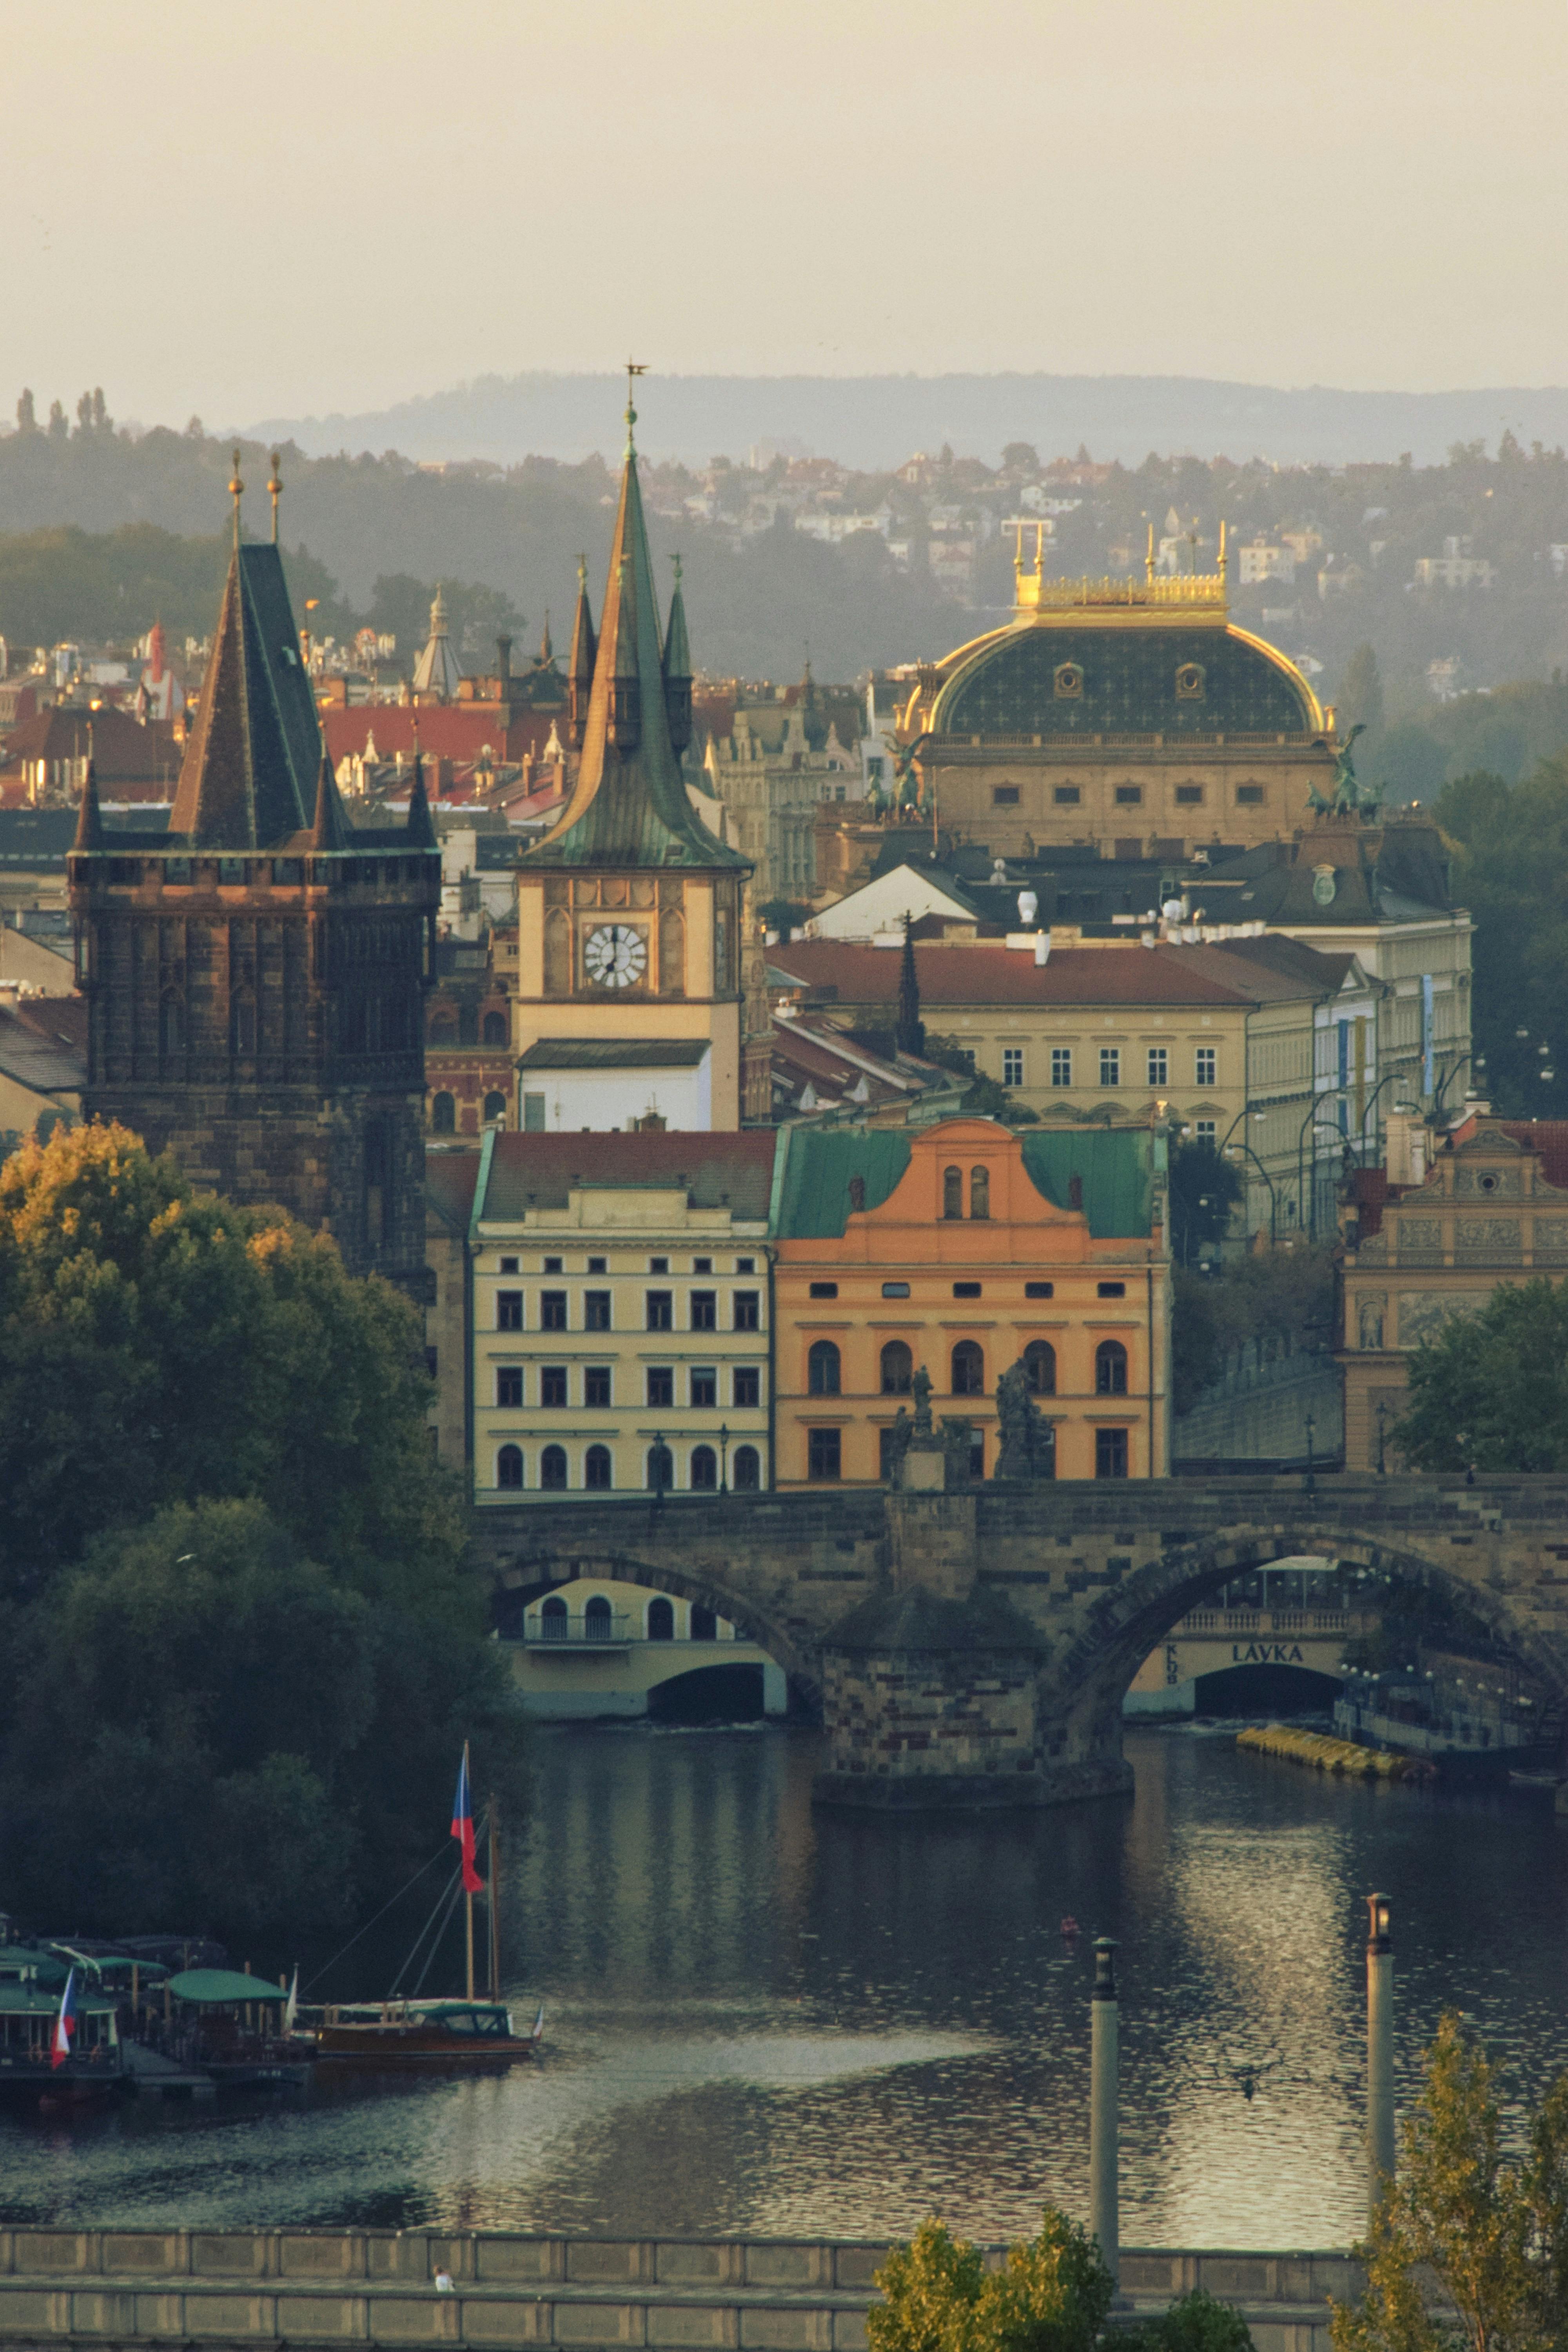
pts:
[769, 2021]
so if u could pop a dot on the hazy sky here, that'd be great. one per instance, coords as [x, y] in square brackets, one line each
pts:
[242, 212]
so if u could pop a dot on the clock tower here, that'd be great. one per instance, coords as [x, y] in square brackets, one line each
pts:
[630, 911]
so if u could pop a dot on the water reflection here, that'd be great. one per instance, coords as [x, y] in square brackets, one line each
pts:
[767, 2019]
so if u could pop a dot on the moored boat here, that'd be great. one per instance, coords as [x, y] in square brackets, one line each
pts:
[31, 2066]
[423, 2035]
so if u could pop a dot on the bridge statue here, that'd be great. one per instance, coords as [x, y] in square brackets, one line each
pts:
[969, 1646]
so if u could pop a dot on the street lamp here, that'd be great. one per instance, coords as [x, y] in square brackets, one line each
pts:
[723, 1457]
[1273, 1199]
[1382, 1418]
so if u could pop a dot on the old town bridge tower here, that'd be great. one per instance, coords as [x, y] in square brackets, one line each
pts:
[255, 974]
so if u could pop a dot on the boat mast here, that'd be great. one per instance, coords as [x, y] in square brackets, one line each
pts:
[467, 1898]
[495, 1906]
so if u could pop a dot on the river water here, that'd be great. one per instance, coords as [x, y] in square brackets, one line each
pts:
[769, 2021]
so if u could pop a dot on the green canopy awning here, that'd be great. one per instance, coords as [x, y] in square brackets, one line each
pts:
[216, 1988]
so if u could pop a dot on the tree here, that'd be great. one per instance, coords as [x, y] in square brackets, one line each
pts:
[1020, 458]
[1204, 1187]
[59, 423]
[1361, 696]
[911, 1036]
[1492, 1388]
[26, 414]
[1489, 2233]
[1510, 870]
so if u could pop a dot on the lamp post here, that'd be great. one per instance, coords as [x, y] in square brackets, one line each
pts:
[1379, 2150]
[1103, 2061]
[1312, 1431]
[1460, 1061]
[1382, 1418]
[723, 1457]
[1273, 1199]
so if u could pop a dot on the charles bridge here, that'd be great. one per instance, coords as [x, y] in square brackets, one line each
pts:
[972, 1647]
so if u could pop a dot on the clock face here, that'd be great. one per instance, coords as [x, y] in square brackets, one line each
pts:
[616, 956]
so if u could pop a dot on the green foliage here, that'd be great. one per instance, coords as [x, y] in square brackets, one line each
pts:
[1204, 1187]
[110, 587]
[984, 1098]
[1489, 2233]
[1195, 2322]
[1510, 868]
[1053, 2295]
[476, 616]
[1282, 1300]
[237, 1652]
[1492, 1388]
[1361, 694]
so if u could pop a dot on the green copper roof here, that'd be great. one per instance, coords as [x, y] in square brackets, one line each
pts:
[1117, 1165]
[813, 1199]
[630, 808]
[217, 1988]
[1124, 680]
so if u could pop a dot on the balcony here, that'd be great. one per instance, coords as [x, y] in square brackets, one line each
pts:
[595, 1629]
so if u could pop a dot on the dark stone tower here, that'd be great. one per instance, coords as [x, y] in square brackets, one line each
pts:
[255, 975]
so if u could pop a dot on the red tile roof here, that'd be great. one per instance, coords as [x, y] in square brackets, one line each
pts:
[985, 974]
[451, 730]
[1548, 1137]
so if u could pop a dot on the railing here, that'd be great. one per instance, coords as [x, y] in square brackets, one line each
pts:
[1261, 1620]
[592, 1625]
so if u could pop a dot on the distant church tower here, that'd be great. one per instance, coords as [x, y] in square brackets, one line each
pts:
[255, 975]
[629, 911]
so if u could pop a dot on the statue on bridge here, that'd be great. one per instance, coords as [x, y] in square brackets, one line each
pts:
[1028, 1442]
[921, 1387]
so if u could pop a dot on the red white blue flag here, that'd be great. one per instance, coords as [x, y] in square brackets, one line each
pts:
[463, 1827]
[65, 2024]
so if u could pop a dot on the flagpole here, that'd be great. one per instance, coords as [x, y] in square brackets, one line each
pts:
[467, 1898]
[495, 1906]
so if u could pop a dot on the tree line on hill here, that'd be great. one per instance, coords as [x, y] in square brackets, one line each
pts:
[239, 1650]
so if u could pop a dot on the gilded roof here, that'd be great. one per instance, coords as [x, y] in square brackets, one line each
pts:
[1085, 673]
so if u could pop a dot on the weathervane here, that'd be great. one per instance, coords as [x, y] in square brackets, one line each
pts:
[633, 369]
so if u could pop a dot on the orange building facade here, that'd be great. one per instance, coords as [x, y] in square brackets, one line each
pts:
[963, 1250]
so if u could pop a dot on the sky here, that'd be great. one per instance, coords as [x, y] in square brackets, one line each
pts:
[240, 213]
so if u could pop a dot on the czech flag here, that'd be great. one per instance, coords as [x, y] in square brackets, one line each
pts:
[463, 1827]
[65, 2024]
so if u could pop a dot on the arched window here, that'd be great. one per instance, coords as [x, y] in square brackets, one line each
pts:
[495, 1028]
[952, 1192]
[822, 1369]
[897, 1369]
[1110, 1369]
[495, 1110]
[509, 1466]
[598, 1620]
[597, 1469]
[242, 1023]
[980, 1193]
[172, 1026]
[746, 1470]
[1040, 1368]
[660, 1620]
[554, 1619]
[660, 1467]
[552, 1468]
[968, 1368]
[443, 1028]
[704, 1468]
[444, 1114]
[704, 1623]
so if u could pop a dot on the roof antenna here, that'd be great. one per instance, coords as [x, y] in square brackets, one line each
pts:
[235, 491]
[275, 488]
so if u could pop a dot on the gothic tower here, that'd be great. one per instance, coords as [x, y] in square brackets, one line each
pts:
[629, 911]
[255, 974]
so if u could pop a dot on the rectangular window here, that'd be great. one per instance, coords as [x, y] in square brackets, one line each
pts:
[705, 1310]
[552, 1384]
[661, 1310]
[966, 1290]
[1110, 1066]
[553, 1265]
[977, 1456]
[1159, 1065]
[553, 1310]
[658, 1265]
[748, 1310]
[596, 1385]
[1039, 1290]
[745, 1266]
[508, 1385]
[748, 1385]
[1188, 796]
[598, 1266]
[509, 1265]
[1206, 1131]
[1204, 1066]
[533, 1114]
[895, 1290]
[704, 1385]
[1061, 1066]
[825, 1290]
[1111, 1290]
[1249, 795]
[509, 1310]
[660, 1384]
[1012, 1066]
[701, 1265]
[1129, 795]
[885, 1455]
[1111, 1453]
[1004, 796]
[1067, 796]
[596, 1310]
[822, 1454]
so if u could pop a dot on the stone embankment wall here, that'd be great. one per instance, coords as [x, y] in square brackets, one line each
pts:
[1259, 1414]
[305, 2288]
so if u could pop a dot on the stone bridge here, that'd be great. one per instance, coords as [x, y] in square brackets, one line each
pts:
[973, 1648]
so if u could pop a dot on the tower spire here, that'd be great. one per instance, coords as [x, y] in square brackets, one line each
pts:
[274, 490]
[584, 649]
[677, 669]
[89, 816]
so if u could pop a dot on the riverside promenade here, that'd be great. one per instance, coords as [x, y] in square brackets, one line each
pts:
[307, 2288]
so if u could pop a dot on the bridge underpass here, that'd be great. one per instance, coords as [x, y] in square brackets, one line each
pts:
[975, 1648]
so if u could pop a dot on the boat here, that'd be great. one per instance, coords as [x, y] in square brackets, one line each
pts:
[1464, 1727]
[225, 2028]
[95, 2069]
[423, 2035]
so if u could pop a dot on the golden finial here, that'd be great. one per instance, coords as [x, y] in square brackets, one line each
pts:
[581, 575]
[274, 490]
[1222, 556]
[633, 369]
[1149, 558]
[235, 491]
[676, 561]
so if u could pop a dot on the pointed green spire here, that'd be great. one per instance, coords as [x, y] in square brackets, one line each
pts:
[89, 816]
[677, 669]
[330, 829]
[584, 649]
[421, 830]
